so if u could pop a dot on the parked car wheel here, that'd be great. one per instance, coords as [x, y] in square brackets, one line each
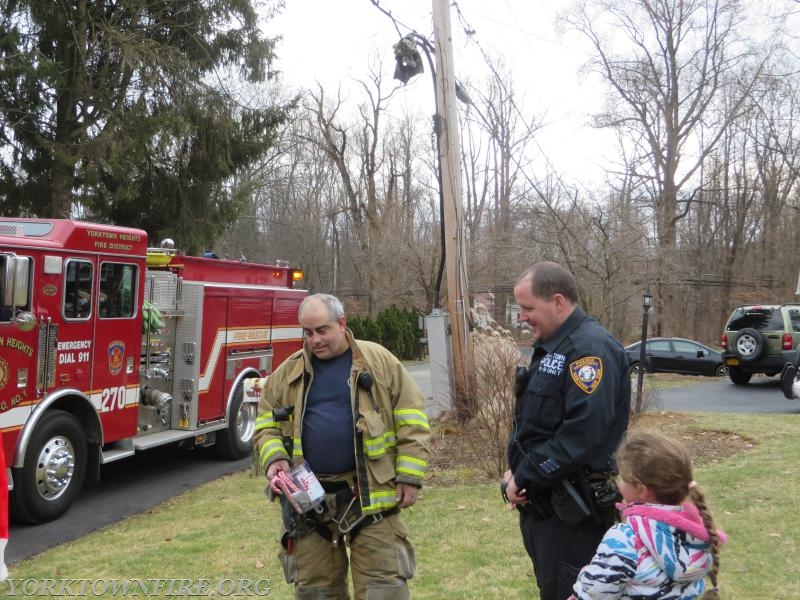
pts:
[738, 376]
[787, 380]
[750, 345]
[722, 371]
[635, 369]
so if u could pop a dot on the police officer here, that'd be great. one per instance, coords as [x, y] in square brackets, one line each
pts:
[571, 413]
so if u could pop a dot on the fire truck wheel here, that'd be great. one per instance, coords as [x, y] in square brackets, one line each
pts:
[236, 441]
[55, 465]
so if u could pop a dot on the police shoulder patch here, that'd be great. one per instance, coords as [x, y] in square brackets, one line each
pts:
[587, 372]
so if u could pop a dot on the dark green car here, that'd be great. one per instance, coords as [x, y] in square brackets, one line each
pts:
[760, 339]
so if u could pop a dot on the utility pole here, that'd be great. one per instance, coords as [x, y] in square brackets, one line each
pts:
[456, 266]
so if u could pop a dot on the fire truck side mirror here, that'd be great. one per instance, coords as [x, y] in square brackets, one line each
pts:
[16, 281]
[25, 320]
[15, 289]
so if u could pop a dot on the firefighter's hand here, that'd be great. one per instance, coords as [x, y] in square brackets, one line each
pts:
[406, 494]
[515, 494]
[272, 473]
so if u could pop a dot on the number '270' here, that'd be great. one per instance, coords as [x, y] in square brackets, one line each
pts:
[112, 399]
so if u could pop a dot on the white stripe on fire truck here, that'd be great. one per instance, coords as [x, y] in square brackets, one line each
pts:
[283, 334]
[131, 397]
[237, 336]
[248, 286]
[17, 416]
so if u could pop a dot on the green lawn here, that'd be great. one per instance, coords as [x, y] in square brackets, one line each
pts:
[467, 542]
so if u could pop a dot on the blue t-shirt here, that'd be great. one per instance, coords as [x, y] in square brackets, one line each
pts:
[328, 420]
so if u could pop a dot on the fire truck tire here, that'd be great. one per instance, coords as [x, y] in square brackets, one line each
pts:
[54, 469]
[236, 441]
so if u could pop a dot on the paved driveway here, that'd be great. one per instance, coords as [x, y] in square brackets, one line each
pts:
[761, 395]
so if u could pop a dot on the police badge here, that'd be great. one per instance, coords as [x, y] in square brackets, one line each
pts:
[587, 372]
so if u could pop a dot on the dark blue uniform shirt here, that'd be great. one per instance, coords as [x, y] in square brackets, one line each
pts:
[327, 440]
[573, 410]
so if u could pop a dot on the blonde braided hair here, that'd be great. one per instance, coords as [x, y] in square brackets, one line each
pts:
[664, 465]
[699, 500]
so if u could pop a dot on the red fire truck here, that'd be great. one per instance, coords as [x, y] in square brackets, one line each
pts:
[108, 347]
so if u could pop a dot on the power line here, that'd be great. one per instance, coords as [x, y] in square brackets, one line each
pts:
[527, 33]
[472, 36]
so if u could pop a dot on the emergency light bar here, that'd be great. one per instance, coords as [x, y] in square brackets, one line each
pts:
[12, 230]
[297, 277]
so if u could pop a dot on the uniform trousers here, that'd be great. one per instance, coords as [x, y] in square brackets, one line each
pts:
[558, 551]
[380, 559]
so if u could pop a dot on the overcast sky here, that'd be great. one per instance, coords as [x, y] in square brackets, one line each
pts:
[335, 41]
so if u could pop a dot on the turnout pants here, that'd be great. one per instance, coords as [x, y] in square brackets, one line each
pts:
[558, 551]
[380, 559]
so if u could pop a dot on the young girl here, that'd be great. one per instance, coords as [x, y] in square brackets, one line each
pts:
[665, 546]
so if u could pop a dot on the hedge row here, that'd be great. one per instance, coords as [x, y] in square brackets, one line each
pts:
[395, 329]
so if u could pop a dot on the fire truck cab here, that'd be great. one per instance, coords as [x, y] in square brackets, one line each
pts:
[108, 347]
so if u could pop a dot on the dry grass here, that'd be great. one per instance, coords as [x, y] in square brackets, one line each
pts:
[468, 544]
[456, 459]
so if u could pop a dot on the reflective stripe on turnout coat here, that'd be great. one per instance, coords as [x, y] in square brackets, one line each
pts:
[395, 436]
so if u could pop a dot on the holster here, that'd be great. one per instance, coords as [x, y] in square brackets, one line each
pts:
[569, 503]
[583, 495]
[604, 495]
[538, 504]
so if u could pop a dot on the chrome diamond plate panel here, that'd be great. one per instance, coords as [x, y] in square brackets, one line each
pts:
[187, 357]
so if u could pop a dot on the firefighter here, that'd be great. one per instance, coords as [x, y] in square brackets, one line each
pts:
[354, 415]
[571, 413]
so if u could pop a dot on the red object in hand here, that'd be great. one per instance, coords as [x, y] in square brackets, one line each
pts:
[283, 484]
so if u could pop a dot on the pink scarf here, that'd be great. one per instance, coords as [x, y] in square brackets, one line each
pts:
[686, 519]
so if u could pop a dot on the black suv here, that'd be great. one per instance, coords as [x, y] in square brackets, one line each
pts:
[760, 339]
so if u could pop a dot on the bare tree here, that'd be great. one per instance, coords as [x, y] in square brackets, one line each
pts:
[496, 153]
[730, 249]
[351, 188]
[357, 187]
[675, 59]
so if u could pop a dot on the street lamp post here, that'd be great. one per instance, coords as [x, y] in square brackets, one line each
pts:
[647, 302]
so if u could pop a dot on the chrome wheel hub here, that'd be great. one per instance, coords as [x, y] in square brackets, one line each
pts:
[55, 468]
[245, 421]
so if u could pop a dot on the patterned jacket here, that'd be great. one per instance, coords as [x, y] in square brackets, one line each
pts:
[660, 552]
[392, 423]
